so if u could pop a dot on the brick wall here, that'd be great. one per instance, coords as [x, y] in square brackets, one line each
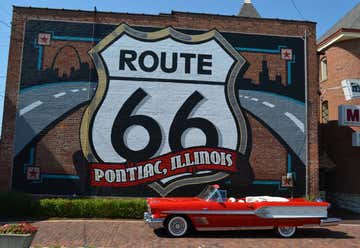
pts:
[177, 20]
[54, 152]
[10, 102]
[275, 152]
[343, 60]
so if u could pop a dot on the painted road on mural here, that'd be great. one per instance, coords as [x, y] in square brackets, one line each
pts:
[41, 105]
[283, 115]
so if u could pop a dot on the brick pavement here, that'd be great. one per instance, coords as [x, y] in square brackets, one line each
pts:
[119, 233]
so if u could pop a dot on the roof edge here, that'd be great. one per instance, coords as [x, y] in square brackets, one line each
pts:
[163, 14]
[323, 44]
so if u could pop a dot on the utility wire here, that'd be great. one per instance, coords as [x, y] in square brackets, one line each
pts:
[299, 12]
[4, 23]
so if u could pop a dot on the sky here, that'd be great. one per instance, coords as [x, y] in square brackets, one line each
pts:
[324, 12]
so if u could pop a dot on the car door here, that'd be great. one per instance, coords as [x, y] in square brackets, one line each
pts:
[228, 214]
[233, 215]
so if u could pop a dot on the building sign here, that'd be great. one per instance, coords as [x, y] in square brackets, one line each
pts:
[351, 88]
[356, 139]
[349, 115]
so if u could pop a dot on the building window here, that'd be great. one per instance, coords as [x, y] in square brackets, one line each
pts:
[324, 69]
[325, 111]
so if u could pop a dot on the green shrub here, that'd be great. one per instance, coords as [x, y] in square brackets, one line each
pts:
[17, 205]
[93, 208]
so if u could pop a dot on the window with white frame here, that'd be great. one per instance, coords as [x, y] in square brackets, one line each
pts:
[324, 69]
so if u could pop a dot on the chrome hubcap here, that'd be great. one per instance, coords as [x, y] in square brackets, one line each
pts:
[287, 231]
[177, 226]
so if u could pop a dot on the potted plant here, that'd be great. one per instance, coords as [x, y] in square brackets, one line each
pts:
[17, 235]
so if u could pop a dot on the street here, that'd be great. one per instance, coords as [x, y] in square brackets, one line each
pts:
[128, 233]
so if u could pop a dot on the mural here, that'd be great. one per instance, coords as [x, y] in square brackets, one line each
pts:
[142, 111]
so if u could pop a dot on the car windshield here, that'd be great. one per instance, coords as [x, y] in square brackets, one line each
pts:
[212, 193]
[207, 192]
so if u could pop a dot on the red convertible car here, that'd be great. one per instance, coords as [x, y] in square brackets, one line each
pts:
[212, 210]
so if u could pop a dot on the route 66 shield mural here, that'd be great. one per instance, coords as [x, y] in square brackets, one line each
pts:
[165, 113]
[147, 111]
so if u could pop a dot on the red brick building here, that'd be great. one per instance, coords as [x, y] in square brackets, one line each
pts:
[74, 123]
[339, 60]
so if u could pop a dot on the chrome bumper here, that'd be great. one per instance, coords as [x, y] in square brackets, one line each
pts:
[153, 223]
[330, 222]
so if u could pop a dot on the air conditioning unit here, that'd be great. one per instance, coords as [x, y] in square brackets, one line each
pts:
[356, 139]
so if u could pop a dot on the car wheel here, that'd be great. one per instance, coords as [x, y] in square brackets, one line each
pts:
[177, 226]
[286, 231]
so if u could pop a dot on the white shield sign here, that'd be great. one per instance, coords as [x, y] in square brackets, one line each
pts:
[161, 93]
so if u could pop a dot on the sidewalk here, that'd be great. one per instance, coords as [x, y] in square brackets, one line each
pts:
[129, 233]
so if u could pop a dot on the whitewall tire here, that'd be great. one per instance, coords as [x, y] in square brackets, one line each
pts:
[177, 226]
[286, 231]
